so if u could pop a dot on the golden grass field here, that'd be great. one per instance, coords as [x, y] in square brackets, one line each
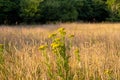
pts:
[98, 44]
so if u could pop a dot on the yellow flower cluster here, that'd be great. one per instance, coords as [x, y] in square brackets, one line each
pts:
[55, 45]
[62, 31]
[57, 39]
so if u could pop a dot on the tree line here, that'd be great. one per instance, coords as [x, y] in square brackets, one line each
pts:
[43, 11]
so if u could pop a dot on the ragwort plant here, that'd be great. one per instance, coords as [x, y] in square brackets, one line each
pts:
[62, 58]
[59, 49]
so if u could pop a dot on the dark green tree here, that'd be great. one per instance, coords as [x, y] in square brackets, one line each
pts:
[68, 12]
[114, 8]
[42, 11]
[92, 10]
[49, 10]
[29, 9]
[58, 10]
[8, 11]
[100, 10]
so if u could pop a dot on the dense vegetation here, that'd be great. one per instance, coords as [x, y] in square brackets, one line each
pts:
[42, 11]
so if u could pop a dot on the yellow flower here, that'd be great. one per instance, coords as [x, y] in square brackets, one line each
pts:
[61, 29]
[107, 71]
[57, 39]
[63, 33]
[52, 35]
[43, 47]
[55, 45]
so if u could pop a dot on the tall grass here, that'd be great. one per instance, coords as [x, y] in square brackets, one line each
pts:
[92, 54]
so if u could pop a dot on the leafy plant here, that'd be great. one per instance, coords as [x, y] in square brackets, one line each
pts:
[59, 49]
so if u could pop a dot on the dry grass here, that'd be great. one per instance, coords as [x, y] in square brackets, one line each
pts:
[99, 46]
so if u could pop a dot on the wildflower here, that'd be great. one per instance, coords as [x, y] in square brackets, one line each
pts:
[63, 33]
[52, 35]
[61, 29]
[55, 45]
[107, 71]
[57, 39]
[43, 47]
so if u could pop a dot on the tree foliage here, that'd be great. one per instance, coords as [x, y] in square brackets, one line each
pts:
[8, 11]
[28, 9]
[114, 7]
[42, 11]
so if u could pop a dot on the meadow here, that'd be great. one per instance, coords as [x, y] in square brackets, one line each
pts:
[84, 52]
